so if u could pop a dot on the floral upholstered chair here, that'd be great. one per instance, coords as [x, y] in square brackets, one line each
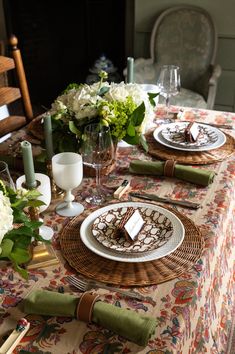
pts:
[185, 36]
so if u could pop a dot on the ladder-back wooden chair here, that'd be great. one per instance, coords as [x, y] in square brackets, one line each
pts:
[8, 94]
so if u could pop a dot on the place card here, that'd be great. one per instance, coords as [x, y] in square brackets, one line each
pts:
[191, 132]
[134, 225]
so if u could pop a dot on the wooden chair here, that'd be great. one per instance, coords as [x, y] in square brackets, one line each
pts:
[8, 94]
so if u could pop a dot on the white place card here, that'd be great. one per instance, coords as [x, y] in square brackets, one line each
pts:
[134, 225]
[194, 131]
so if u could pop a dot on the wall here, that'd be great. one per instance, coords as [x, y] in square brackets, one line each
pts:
[2, 24]
[223, 13]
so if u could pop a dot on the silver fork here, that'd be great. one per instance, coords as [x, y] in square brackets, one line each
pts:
[85, 285]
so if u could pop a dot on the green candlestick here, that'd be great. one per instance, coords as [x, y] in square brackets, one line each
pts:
[130, 70]
[26, 149]
[48, 136]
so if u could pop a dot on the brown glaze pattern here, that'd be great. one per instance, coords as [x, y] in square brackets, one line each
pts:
[176, 135]
[156, 231]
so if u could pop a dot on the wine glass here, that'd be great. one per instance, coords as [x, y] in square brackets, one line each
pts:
[44, 187]
[5, 175]
[169, 84]
[97, 151]
[67, 171]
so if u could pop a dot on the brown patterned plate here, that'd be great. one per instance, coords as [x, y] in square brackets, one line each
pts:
[93, 245]
[156, 231]
[172, 136]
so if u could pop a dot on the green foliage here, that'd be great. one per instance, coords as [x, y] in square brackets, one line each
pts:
[72, 86]
[151, 98]
[16, 243]
[81, 104]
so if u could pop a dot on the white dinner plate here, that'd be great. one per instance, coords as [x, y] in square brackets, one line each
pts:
[92, 244]
[155, 232]
[170, 135]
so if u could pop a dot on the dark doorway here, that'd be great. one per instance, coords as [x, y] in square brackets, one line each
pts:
[60, 40]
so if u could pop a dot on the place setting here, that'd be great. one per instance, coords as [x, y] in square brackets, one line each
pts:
[190, 142]
[134, 243]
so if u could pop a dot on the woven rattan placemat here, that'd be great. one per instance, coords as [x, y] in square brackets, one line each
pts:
[188, 157]
[131, 274]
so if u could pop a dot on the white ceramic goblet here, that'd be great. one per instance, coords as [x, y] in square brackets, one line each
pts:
[67, 170]
[44, 187]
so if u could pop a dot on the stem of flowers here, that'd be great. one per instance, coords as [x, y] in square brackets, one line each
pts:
[103, 75]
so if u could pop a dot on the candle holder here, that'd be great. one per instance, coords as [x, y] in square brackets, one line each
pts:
[43, 255]
[56, 192]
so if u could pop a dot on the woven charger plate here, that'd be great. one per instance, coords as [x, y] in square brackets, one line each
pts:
[189, 157]
[131, 274]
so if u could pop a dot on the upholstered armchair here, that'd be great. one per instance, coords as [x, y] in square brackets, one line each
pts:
[185, 36]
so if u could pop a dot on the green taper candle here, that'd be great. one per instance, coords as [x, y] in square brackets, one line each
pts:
[48, 136]
[130, 70]
[27, 154]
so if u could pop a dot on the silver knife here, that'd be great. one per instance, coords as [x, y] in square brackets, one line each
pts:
[154, 197]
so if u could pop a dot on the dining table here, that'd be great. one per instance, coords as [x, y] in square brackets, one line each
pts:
[190, 291]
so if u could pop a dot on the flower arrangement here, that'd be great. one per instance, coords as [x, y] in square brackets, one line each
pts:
[16, 227]
[125, 108]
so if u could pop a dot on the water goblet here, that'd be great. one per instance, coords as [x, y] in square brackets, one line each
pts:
[169, 85]
[97, 151]
[67, 170]
[44, 187]
[5, 176]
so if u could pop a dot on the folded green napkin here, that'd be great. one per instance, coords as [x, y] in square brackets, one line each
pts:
[186, 173]
[127, 323]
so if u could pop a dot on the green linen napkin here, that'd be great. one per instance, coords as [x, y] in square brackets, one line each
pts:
[186, 173]
[127, 323]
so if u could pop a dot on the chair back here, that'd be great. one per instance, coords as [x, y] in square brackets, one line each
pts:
[185, 36]
[8, 94]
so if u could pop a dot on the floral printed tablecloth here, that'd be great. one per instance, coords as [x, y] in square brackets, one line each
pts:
[193, 312]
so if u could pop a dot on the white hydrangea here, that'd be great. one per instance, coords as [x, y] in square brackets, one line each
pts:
[6, 215]
[83, 101]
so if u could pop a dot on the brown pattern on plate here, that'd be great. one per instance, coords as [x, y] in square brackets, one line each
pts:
[176, 135]
[189, 157]
[156, 231]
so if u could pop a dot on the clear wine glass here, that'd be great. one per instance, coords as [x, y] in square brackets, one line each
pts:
[67, 170]
[5, 175]
[44, 187]
[97, 151]
[169, 84]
